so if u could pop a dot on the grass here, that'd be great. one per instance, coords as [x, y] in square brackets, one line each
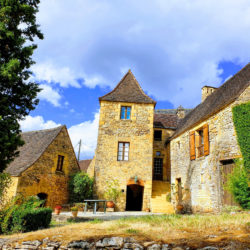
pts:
[132, 231]
[165, 228]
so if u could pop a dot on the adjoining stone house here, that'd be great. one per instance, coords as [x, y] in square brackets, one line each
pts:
[84, 165]
[43, 166]
[131, 147]
[205, 144]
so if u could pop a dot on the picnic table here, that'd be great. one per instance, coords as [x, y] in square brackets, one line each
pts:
[95, 204]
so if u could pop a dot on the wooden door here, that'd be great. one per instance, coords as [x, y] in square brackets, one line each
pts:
[227, 169]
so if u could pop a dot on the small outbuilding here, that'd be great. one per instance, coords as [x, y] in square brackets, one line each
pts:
[43, 166]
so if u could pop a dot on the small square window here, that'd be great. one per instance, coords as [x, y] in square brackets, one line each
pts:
[60, 163]
[125, 113]
[158, 153]
[157, 135]
[123, 151]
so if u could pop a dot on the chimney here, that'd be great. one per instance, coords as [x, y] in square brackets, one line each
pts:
[206, 91]
[180, 112]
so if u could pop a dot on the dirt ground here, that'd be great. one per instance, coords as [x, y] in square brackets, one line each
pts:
[227, 231]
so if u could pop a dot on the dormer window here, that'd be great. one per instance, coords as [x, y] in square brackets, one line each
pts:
[125, 113]
[60, 163]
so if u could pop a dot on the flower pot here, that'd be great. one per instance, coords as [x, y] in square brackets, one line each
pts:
[179, 208]
[110, 204]
[74, 213]
[57, 211]
[147, 210]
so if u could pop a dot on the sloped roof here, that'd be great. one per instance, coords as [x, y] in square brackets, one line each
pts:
[84, 164]
[36, 142]
[219, 99]
[127, 90]
[162, 120]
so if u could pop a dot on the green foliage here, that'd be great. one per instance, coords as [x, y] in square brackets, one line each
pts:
[27, 220]
[5, 181]
[80, 187]
[18, 29]
[239, 181]
[113, 191]
[74, 209]
[241, 118]
[238, 185]
[24, 215]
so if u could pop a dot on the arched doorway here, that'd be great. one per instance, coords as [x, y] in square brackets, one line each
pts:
[42, 196]
[134, 198]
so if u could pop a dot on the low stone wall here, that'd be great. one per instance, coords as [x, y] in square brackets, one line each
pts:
[124, 243]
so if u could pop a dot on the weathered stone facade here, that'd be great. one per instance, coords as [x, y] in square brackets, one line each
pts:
[138, 131]
[42, 176]
[201, 179]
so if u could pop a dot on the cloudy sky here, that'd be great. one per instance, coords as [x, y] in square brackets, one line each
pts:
[173, 48]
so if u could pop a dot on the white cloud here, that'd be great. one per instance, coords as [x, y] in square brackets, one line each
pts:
[51, 74]
[49, 94]
[31, 123]
[86, 131]
[173, 47]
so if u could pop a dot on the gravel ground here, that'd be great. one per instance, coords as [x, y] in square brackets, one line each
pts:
[100, 215]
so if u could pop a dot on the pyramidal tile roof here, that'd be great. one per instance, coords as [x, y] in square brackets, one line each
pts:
[128, 90]
[36, 142]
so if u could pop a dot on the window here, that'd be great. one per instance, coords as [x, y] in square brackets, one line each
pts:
[199, 142]
[123, 151]
[200, 146]
[157, 135]
[125, 112]
[158, 169]
[158, 153]
[60, 163]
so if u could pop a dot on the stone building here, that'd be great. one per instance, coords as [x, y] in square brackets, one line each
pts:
[131, 147]
[43, 166]
[182, 155]
[204, 146]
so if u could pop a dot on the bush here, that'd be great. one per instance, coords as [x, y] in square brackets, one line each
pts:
[23, 215]
[80, 187]
[112, 191]
[238, 185]
[29, 220]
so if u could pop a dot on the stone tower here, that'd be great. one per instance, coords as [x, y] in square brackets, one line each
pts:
[125, 144]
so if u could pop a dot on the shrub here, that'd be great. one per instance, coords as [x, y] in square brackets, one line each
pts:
[238, 185]
[113, 191]
[29, 220]
[23, 215]
[80, 187]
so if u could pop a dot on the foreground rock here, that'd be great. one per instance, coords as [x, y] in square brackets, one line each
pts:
[124, 243]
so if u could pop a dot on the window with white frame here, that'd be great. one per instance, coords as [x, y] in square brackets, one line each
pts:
[123, 151]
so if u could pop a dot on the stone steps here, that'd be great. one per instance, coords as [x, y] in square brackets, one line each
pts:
[159, 204]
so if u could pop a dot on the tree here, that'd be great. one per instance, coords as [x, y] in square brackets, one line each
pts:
[18, 29]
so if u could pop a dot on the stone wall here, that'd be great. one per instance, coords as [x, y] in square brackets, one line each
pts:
[202, 178]
[42, 176]
[159, 146]
[10, 192]
[139, 133]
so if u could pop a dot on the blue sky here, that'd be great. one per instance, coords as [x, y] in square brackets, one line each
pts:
[173, 48]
